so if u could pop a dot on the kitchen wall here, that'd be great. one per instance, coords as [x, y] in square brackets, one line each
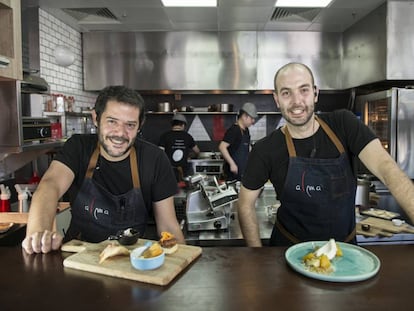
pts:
[65, 80]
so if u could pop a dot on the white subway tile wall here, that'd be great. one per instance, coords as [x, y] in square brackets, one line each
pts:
[64, 80]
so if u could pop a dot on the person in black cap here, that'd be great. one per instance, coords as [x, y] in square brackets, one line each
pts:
[179, 145]
[235, 145]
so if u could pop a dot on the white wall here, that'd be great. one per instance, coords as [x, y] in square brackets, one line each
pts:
[65, 80]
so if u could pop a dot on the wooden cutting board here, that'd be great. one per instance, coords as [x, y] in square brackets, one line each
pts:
[372, 232]
[87, 257]
[386, 225]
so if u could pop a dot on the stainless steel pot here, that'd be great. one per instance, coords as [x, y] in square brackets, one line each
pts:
[362, 192]
[220, 108]
[164, 107]
[186, 109]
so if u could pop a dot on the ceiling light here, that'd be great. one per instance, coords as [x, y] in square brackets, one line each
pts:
[303, 3]
[190, 3]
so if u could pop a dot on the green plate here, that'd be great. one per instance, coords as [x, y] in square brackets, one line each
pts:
[356, 264]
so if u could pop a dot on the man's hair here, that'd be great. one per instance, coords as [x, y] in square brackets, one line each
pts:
[121, 94]
[289, 65]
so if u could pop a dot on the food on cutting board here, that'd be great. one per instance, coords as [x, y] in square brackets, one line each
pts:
[168, 242]
[154, 250]
[320, 259]
[113, 250]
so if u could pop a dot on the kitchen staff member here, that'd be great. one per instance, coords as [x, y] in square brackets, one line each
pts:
[309, 163]
[178, 145]
[116, 180]
[235, 146]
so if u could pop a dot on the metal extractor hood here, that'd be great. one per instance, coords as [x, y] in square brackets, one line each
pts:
[34, 84]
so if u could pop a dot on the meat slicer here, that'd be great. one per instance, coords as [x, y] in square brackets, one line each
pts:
[208, 208]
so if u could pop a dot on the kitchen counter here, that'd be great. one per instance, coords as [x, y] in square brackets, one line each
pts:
[232, 236]
[223, 278]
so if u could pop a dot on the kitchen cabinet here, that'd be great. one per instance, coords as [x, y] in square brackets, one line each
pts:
[10, 40]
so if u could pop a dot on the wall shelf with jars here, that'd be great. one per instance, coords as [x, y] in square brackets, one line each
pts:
[72, 122]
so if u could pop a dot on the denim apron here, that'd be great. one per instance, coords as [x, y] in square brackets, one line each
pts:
[97, 213]
[239, 156]
[318, 198]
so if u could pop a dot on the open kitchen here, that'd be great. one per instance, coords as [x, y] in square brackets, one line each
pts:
[57, 59]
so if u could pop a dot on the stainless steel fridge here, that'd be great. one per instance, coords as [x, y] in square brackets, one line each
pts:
[390, 114]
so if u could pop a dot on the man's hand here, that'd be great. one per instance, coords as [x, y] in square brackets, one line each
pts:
[234, 169]
[42, 242]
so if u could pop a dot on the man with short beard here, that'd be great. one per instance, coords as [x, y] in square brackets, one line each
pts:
[115, 180]
[309, 162]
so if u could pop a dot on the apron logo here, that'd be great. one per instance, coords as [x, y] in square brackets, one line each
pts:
[308, 189]
[96, 211]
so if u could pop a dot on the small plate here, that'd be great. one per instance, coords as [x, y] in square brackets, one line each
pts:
[356, 264]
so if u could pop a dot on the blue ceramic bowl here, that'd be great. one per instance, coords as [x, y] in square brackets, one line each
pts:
[141, 263]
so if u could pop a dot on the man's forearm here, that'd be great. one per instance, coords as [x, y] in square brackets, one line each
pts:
[249, 226]
[402, 189]
[42, 211]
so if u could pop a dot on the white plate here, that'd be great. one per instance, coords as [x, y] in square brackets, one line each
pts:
[356, 264]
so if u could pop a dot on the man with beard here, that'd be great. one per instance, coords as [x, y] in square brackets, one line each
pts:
[309, 162]
[115, 180]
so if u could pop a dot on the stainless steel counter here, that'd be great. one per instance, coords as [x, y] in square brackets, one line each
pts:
[233, 236]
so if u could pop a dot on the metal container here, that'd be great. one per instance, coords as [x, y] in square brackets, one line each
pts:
[221, 108]
[362, 192]
[186, 109]
[164, 107]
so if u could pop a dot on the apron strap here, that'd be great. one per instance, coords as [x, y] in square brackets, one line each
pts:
[134, 168]
[289, 142]
[331, 135]
[132, 161]
[325, 127]
[286, 233]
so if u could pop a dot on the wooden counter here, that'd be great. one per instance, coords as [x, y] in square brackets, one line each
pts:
[223, 278]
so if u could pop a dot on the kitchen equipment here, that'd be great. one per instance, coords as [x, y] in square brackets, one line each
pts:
[362, 193]
[164, 107]
[36, 129]
[87, 259]
[207, 166]
[210, 208]
[389, 114]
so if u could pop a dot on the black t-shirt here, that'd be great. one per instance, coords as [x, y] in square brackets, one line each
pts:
[177, 145]
[156, 176]
[233, 137]
[269, 157]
